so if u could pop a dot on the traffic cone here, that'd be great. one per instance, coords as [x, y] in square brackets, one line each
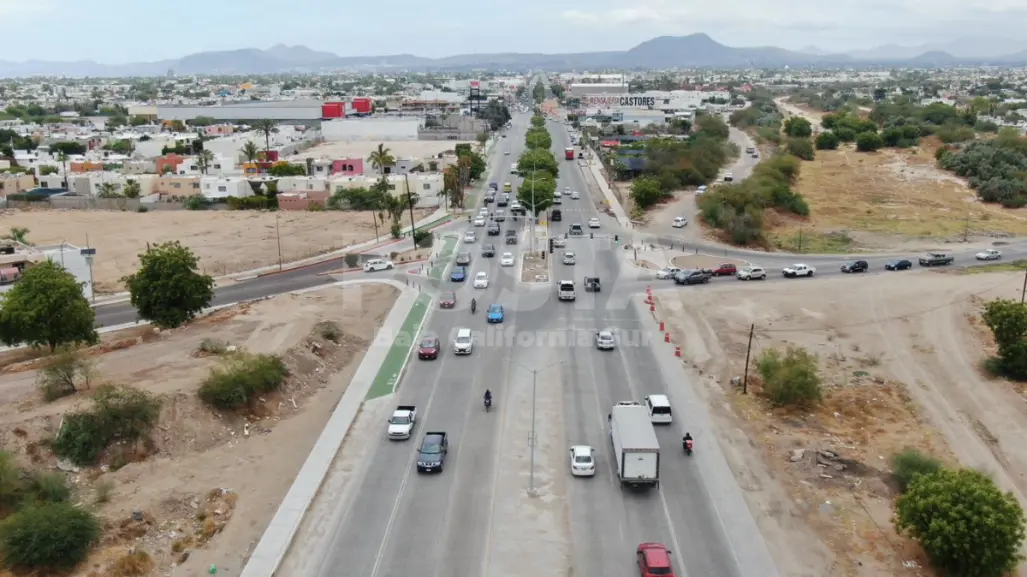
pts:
[666, 337]
[661, 326]
[677, 351]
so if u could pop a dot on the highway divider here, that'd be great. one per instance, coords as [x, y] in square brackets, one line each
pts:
[280, 532]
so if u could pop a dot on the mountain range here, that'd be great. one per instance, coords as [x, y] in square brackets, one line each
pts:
[692, 51]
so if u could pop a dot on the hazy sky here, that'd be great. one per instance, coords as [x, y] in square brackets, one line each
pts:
[119, 31]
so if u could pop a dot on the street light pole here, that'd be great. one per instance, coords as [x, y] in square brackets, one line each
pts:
[533, 440]
[534, 213]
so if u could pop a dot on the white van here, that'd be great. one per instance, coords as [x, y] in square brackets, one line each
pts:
[659, 409]
[464, 342]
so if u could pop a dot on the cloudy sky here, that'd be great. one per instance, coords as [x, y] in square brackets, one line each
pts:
[119, 31]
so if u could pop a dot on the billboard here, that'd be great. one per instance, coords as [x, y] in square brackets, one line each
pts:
[618, 101]
[475, 84]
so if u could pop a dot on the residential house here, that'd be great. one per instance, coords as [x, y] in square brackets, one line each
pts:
[348, 166]
[16, 183]
[219, 165]
[428, 187]
[84, 166]
[168, 164]
[52, 181]
[302, 200]
[304, 184]
[139, 167]
[219, 187]
[169, 185]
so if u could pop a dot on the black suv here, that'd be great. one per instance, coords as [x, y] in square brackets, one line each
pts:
[511, 237]
[557, 216]
[492, 229]
[432, 454]
[503, 200]
[488, 250]
[855, 266]
[463, 258]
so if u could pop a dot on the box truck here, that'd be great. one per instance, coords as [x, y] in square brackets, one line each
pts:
[635, 446]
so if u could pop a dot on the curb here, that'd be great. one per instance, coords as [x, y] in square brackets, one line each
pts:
[270, 550]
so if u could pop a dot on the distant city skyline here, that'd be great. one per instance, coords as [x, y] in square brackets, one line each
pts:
[118, 32]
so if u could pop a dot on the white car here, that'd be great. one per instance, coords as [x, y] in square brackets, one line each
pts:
[667, 273]
[514, 170]
[481, 280]
[483, 212]
[575, 195]
[479, 221]
[507, 259]
[679, 222]
[583, 462]
[377, 264]
[568, 258]
[470, 237]
[567, 190]
[593, 223]
[751, 273]
[605, 340]
[701, 190]
[797, 270]
[559, 242]
[506, 153]
[990, 254]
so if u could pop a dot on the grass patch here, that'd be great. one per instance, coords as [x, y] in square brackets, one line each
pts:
[329, 331]
[1011, 266]
[806, 241]
[48, 536]
[103, 491]
[243, 379]
[133, 564]
[214, 346]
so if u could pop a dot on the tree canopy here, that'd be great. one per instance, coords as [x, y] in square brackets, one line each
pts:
[47, 307]
[536, 191]
[168, 290]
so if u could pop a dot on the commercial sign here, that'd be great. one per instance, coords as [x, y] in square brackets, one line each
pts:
[619, 101]
[475, 84]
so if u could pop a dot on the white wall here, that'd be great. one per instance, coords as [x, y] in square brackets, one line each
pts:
[370, 129]
[212, 187]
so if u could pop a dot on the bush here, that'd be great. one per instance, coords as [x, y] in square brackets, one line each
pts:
[117, 414]
[196, 202]
[995, 168]
[827, 141]
[329, 331]
[235, 385]
[213, 346]
[142, 209]
[423, 238]
[66, 373]
[48, 488]
[11, 485]
[966, 525]
[868, 142]
[910, 463]
[790, 379]
[800, 148]
[351, 260]
[646, 191]
[48, 536]
[396, 230]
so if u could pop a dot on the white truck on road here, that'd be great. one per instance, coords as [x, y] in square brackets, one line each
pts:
[635, 446]
[401, 424]
[565, 290]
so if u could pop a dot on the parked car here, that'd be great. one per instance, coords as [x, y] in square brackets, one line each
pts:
[691, 276]
[990, 254]
[667, 273]
[856, 266]
[901, 264]
[725, 269]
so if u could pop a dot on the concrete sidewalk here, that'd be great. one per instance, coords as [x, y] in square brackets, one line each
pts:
[277, 538]
[592, 168]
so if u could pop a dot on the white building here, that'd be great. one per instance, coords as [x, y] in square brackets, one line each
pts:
[216, 187]
[385, 129]
[220, 165]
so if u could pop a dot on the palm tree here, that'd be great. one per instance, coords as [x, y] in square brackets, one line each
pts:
[132, 189]
[380, 159]
[17, 235]
[267, 128]
[62, 157]
[250, 151]
[203, 160]
[108, 190]
[451, 184]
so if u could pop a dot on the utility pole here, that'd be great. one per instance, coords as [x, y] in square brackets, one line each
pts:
[534, 212]
[966, 226]
[800, 240]
[1023, 293]
[278, 236]
[533, 440]
[748, 350]
[410, 204]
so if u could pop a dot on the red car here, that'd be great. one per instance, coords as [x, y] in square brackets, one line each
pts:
[429, 348]
[726, 269]
[654, 560]
[447, 300]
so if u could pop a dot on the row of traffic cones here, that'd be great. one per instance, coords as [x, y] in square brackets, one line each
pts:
[663, 328]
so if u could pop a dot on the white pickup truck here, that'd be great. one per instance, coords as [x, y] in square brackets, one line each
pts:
[402, 422]
[797, 270]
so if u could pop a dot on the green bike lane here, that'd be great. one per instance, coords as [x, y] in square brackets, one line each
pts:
[399, 353]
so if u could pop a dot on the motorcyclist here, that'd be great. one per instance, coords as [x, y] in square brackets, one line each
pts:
[488, 396]
[474, 306]
[686, 440]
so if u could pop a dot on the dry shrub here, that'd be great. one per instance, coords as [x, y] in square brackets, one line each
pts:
[135, 563]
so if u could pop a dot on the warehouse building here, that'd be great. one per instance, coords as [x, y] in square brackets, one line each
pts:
[283, 111]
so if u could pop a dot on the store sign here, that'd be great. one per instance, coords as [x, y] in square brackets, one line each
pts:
[475, 84]
[619, 101]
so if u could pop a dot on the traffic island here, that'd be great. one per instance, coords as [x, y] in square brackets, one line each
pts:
[441, 261]
[534, 268]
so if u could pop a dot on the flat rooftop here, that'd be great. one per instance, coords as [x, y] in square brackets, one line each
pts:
[399, 149]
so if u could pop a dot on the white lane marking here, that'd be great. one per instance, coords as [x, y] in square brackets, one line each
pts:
[406, 476]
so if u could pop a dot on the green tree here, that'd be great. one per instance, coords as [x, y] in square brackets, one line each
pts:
[1007, 320]
[711, 125]
[537, 191]
[966, 525]
[381, 158]
[68, 148]
[47, 307]
[108, 190]
[910, 463]
[798, 127]
[827, 141]
[287, 169]
[250, 152]
[800, 148]
[48, 536]
[539, 160]
[538, 121]
[792, 378]
[167, 290]
[868, 142]
[646, 191]
[267, 128]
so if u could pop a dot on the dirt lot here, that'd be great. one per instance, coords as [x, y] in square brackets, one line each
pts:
[212, 481]
[888, 199]
[399, 149]
[225, 241]
[901, 358]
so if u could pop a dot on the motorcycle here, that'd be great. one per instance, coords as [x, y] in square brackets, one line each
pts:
[474, 307]
[687, 445]
[488, 404]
